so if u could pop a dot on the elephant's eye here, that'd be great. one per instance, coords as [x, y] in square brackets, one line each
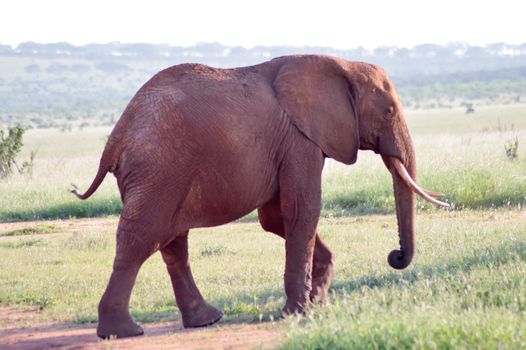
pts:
[390, 112]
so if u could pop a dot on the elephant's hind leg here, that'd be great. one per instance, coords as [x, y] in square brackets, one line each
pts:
[196, 312]
[272, 221]
[114, 317]
[322, 266]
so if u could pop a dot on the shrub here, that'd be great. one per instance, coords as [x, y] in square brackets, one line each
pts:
[10, 145]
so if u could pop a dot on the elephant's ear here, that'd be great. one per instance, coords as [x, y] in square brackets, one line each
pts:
[318, 98]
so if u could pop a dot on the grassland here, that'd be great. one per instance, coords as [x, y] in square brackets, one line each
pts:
[465, 289]
[459, 154]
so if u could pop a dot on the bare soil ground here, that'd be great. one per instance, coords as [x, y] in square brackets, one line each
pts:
[20, 329]
[60, 226]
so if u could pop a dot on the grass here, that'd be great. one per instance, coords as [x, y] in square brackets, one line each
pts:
[22, 243]
[465, 289]
[460, 155]
[467, 279]
[62, 159]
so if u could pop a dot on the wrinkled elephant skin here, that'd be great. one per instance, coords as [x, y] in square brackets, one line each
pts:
[199, 147]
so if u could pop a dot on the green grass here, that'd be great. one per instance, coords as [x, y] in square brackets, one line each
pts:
[23, 243]
[465, 291]
[465, 288]
[460, 155]
[62, 159]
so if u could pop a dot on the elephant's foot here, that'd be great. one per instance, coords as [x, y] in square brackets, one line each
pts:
[118, 327]
[204, 315]
[322, 277]
[294, 308]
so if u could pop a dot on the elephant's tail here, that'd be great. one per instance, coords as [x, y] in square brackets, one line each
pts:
[108, 163]
[101, 174]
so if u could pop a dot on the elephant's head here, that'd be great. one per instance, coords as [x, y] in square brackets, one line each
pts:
[346, 106]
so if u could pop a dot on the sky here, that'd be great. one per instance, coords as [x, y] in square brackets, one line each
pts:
[329, 23]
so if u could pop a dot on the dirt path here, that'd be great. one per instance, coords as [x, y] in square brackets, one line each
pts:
[60, 227]
[20, 330]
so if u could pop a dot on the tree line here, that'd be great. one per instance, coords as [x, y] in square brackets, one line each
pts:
[421, 59]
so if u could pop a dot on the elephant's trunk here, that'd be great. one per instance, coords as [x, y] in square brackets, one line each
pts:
[405, 187]
[405, 212]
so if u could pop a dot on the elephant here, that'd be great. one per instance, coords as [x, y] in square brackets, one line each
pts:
[199, 147]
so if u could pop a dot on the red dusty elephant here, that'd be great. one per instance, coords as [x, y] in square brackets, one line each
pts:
[200, 147]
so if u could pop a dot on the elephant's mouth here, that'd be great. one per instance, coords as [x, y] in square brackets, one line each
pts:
[374, 146]
[429, 196]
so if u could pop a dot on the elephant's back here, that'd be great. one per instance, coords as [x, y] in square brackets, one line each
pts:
[200, 91]
[189, 115]
[196, 102]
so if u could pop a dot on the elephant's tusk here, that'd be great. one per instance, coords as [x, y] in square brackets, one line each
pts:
[433, 194]
[427, 195]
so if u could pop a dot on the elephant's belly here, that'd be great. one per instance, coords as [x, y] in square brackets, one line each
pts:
[215, 198]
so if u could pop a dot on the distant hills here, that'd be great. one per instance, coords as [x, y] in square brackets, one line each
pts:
[45, 84]
[422, 59]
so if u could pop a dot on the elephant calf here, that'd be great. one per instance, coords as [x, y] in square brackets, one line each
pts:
[200, 147]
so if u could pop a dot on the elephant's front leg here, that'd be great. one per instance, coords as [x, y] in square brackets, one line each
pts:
[300, 202]
[196, 312]
[271, 220]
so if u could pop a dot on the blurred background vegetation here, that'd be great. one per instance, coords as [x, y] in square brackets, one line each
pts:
[64, 86]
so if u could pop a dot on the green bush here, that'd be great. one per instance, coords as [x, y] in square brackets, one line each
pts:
[10, 145]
